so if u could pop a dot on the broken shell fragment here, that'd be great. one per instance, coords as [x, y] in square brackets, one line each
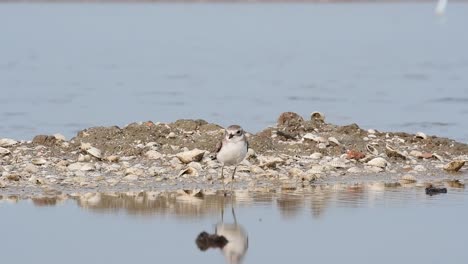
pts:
[188, 171]
[334, 140]
[95, 152]
[191, 155]
[393, 153]
[454, 165]
[372, 150]
[421, 135]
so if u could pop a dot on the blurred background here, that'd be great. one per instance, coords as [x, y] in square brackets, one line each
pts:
[391, 66]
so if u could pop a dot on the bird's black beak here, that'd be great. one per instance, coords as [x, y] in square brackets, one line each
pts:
[230, 136]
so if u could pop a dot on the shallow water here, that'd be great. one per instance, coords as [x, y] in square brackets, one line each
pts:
[326, 224]
[65, 67]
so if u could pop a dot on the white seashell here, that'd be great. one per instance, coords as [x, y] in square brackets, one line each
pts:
[95, 152]
[391, 152]
[316, 155]
[7, 142]
[334, 140]
[4, 152]
[188, 171]
[198, 166]
[437, 156]
[371, 131]
[372, 150]
[378, 162]
[153, 154]
[38, 161]
[421, 135]
[317, 116]
[454, 165]
[192, 155]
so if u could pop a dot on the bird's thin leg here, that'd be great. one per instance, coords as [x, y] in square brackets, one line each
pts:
[222, 179]
[232, 181]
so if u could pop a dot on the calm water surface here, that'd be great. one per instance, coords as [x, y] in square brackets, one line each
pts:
[326, 224]
[65, 67]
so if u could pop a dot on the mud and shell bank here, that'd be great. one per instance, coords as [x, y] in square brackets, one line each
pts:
[296, 154]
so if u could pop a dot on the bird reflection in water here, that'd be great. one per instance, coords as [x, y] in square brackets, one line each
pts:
[231, 238]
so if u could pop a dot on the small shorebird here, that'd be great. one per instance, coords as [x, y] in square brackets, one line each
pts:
[232, 149]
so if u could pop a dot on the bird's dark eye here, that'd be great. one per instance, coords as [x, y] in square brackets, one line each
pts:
[238, 132]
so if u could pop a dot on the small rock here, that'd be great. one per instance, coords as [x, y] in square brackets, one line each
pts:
[44, 140]
[192, 155]
[295, 172]
[289, 119]
[316, 155]
[7, 142]
[378, 162]
[354, 154]
[153, 154]
[317, 116]
[30, 168]
[188, 171]
[454, 165]
[84, 158]
[113, 158]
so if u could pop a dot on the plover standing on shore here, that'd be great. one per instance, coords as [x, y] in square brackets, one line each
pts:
[232, 149]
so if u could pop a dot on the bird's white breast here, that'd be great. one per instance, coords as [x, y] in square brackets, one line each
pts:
[232, 153]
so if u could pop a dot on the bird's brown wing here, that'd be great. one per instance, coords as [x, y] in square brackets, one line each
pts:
[218, 148]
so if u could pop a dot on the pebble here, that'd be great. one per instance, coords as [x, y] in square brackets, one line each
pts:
[454, 166]
[316, 155]
[378, 162]
[153, 154]
[7, 142]
[78, 166]
[192, 155]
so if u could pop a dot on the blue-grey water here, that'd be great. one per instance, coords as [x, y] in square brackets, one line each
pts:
[398, 67]
[358, 224]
